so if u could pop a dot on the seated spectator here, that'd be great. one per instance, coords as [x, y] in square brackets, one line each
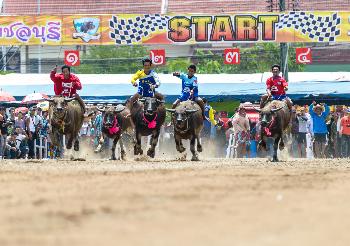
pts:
[11, 146]
[22, 143]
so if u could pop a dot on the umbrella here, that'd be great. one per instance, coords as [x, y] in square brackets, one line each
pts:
[34, 98]
[23, 110]
[43, 105]
[6, 97]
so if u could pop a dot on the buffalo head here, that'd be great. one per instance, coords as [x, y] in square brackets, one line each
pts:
[59, 104]
[267, 114]
[110, 113]
[180, 116]
[150, 104]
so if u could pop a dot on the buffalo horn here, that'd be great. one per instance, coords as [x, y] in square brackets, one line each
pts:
[190, 111]
[276, 109]
[69, 99]
[170, 110]
[119, 109]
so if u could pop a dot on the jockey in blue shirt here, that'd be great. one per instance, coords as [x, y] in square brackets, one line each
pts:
[147, 80]
[189, 88]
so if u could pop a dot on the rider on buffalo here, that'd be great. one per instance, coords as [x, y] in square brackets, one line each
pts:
[276, 87]
[148, 81]
[67, 84]
[189, 88]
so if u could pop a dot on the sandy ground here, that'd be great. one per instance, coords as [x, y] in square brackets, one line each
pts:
[212, 202]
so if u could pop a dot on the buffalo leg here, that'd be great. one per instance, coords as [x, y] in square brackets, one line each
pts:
[122, 150]
[275, 147]
[137, 147]
[154, 141]
[70, 141]
[115, 141]
[76, 142]
[281, 144]
[199, 145]
[100, 144]
[193, 149]
[179, 146]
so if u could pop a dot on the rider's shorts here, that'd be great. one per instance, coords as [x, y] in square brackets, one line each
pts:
[185, 95]
[145, 92]
[279, 97]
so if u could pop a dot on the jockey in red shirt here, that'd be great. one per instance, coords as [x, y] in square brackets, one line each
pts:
[276, 87]
[66, 84]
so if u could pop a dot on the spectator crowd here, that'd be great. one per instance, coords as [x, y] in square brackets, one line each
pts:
[315, 131]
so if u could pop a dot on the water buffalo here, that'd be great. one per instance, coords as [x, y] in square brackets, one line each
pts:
[116, 120]
[66, 117]
[275, 117]
[188, 123]
[148, 115]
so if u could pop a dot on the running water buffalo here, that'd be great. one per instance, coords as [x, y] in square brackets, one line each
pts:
[188, 123]
[116, 120]
[66, 116]
[275, 117]
[148, 115]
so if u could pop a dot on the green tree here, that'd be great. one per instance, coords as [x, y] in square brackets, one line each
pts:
[112, 59]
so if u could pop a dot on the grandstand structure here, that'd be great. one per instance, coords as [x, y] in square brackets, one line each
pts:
[30, 57]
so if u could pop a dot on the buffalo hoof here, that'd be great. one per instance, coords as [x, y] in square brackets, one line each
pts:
[181, 149]
[150, 153]
[76, 146]
[122, 155]
[138, 151]
[262, 146]
[69, 145]
[113, 158]
[275, 159]
[195, 158]
[199, 148]
[281, 146]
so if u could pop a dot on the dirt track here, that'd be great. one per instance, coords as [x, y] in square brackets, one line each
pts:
[213, 202]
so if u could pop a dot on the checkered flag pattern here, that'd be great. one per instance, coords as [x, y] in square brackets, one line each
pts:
[128, 31]
[321, 28]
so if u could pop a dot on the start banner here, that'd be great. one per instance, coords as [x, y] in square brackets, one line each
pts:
[297, 26]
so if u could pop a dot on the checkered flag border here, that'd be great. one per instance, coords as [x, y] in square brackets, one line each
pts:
[321, 28]
[128, 31]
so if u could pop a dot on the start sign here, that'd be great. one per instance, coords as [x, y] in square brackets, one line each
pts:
[71, 57]
[158, 57]
[303, 55]
[232, 56]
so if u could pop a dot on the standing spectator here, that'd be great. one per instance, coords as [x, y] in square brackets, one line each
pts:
[32, 122]
[294, 132]
[219, 133]
[304, 128]
[319, 127]
[3, 130]
[209, 119]
[345, 135]
[241, 128]
[20, 121]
